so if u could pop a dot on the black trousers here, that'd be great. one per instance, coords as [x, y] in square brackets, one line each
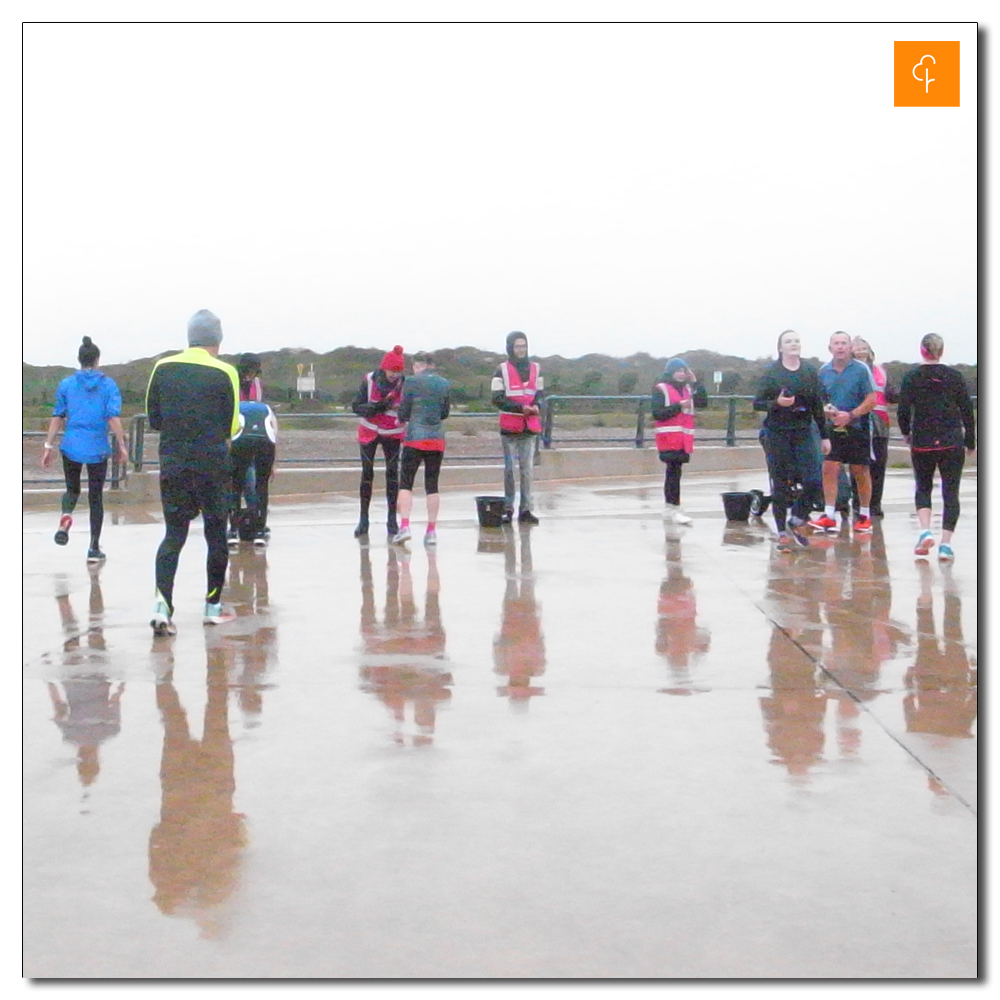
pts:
[390, 451]
[246, 454]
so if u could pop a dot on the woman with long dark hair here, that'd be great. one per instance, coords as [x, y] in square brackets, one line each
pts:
[789, 392]
[88, 405]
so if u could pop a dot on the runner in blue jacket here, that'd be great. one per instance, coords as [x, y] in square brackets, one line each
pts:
[88, 406]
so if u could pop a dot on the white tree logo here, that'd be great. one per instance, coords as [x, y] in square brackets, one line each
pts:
[926, 79]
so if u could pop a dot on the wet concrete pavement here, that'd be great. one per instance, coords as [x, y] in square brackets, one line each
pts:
[597, 748]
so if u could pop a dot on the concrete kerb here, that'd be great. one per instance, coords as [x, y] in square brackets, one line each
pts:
[560, 465]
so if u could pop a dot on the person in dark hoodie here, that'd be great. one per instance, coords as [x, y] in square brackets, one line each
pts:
[517, 391]
[88, 405]
[377, 406]
[790, 394]
[672, 406]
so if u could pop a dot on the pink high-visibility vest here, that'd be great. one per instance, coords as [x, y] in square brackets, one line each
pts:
[677, 433]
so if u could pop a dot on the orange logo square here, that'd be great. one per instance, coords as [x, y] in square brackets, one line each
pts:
[925, 75]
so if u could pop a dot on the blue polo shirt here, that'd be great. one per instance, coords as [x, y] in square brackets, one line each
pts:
[847, 389]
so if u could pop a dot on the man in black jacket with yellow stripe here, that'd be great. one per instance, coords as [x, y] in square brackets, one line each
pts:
[193, 401]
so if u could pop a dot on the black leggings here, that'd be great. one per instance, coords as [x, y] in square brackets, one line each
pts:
[412, 457]
[169, 552]
[97, 472]
[950, 462]
[672, 483]
[259, 454]
[390, 450]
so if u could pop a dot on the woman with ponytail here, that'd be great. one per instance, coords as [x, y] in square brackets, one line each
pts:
[88, 406]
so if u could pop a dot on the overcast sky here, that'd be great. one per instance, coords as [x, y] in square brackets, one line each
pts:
[605, 188]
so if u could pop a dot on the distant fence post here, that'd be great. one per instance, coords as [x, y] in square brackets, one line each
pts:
[548, 414]
[731, 423]
[640, 424]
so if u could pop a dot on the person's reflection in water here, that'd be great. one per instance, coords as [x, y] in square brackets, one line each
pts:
[403, 659]
[861, 634]
[679, 640]
[255, 651]
[519, 646]
[942, 692]
[86, 702]
[196, 849]
[794, 711]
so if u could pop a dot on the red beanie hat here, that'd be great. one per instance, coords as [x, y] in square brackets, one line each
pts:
[393, 361]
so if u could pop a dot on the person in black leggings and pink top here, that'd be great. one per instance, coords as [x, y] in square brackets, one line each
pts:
[937, 421]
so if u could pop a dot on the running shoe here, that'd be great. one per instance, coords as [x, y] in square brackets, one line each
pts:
[95, 555]
[260, 540]
[924, 544]
[945, 552]
[362, 528]
[401, 536]
[62, 535]
[823, 523]
[863, 524]
[216, 614]
[430, 537]
[526, 517]
[160, 620]
[799, 539]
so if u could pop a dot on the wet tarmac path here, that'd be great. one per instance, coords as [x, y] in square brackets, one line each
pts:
[598, 748]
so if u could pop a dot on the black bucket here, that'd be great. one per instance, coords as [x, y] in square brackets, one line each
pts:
[490, 511]
[737, 506]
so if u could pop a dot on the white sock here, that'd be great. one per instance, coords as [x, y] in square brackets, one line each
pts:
[866, 512]
[830, 510]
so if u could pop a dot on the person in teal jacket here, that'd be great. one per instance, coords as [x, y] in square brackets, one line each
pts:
[88, 406]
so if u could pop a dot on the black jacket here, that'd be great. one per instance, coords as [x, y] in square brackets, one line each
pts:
[935, 408]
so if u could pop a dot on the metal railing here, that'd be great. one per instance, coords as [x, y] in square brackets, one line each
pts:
[137, 441]
[731, 436]
[117, 470]
[735, 407]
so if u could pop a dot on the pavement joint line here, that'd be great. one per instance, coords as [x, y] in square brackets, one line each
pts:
[861, 705]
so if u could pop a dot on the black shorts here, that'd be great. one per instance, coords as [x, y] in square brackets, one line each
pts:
[853, 446]
[412, 457]
[186, 493]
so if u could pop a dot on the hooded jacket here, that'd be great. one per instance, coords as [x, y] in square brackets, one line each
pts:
[87, 399]
[523, 368]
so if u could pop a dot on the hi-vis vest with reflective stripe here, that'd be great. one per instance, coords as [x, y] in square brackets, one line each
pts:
[881, 402]
[386, 424]
[522, 393]
[677, 433]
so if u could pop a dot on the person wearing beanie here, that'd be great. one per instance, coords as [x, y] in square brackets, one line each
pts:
[673, 406]
[517, 388]
[88, 405]
[377, 406]
[193, 401]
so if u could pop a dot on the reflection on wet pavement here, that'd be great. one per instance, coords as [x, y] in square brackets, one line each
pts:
[471, 770]
[85, 701]
[519, 646]
[403, 658]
